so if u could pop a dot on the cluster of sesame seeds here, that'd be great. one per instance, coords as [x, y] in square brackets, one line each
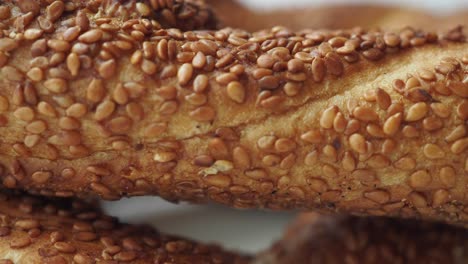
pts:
[73, 231]
[91, 89]
[314, 238]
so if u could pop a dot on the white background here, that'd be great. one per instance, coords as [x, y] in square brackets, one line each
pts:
[249, 231]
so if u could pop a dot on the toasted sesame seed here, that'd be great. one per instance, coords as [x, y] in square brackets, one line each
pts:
[36, 127]
[104, 110]
[378, 196]
[292, 88]
[35, 74]
[164, 156]
[457, 133]
[200, 84]
[265, 61]
[56, 85]
[358, 143]
[462, 110]
[392, 124]
[447, 176]
[334, 64]
[373, 54]
[328, 116]
[383, 98]
[348, 162]
[420, 179]
[58, 45]
[416, 112]
[41, 176]
[54, 10]
[284, 145]
[418, 200]
[365, 114]
[66, 138]
[85, 236]
[120, 125]
[31, 140]
[199, 61]
[8, 44]
[203, 114]
[71, 34]
[91, 36]
[241, 158]
[77, 110]
[236, 91]
[295, 65]
[4, 104]
[33, 33]
[73, 63]
[64, 247]
[20, 242]
[440, 109]
[318, 69]
[459, 146]
[24, 113]
[107, 69]
[95, 91]
[27, 224]
[196, 99]
[185, 73]
[226, 78]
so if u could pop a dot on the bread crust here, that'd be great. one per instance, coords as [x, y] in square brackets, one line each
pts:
[314, 238]
[367, 122]
[47, 230]
[341, 16]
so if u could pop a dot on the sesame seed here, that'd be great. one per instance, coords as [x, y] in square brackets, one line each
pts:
[104, 110]
[365, 114]
[41, 176]
[203, 114]
[328, 117]
[185, 74]
[447, 176]
[95, 91]
[392, 124]
[24, 113]
[56, 85]
[416, 112]
[20, 242]
[236, 92]
[318, 69]
[459, 146]
[36, 127]
[7, 44]
[358, 143]
[120, 125]
[91, 36]
[420, 179]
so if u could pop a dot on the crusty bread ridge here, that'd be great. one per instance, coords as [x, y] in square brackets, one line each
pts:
[367, 122]
[324, 239]
[42, 230]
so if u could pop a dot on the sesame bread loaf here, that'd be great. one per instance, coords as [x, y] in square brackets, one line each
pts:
[320, 239]
[342, 16]
[367, 122]
[41, 230]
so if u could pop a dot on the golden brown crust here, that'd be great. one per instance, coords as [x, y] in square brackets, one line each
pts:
[367, 122]
[42, 230]
[320, 239]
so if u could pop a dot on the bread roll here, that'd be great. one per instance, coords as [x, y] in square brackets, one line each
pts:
[42, 230]
[334, 16]
[323, 239]
[367, 122]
